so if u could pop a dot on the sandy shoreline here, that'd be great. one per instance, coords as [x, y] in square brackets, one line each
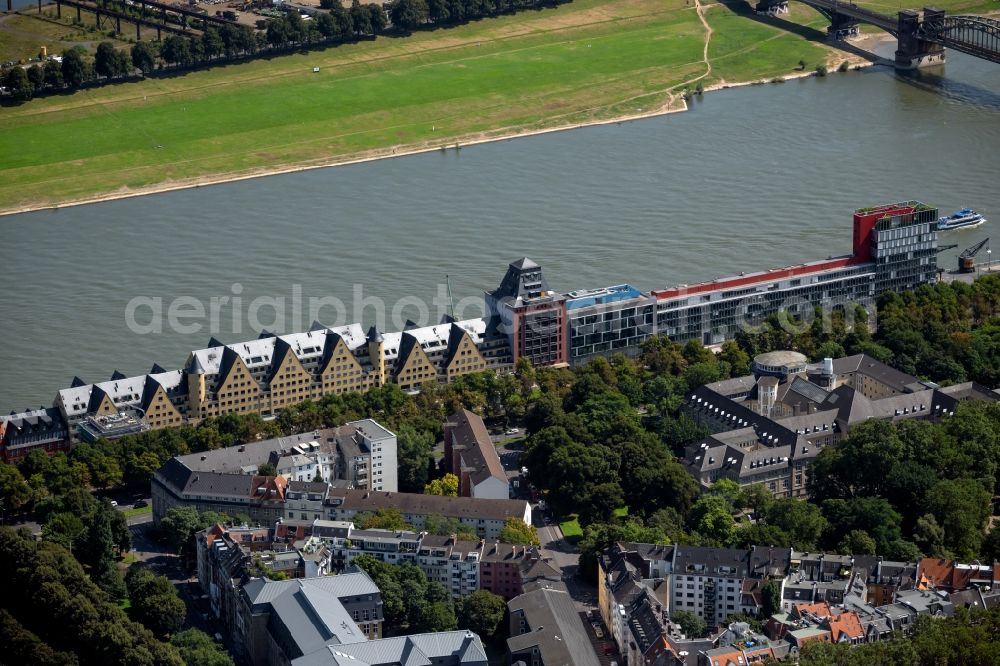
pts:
[670, 106]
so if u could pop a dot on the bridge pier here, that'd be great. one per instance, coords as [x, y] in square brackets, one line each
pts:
[912, 52]
[842, 27]
[772, 7]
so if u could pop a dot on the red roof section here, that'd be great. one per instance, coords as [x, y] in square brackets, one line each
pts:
[820, 609]
[768, 276]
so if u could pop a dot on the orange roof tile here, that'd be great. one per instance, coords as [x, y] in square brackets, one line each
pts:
[846, 625]
[820, 609]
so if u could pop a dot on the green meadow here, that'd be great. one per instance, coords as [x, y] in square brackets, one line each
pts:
[586, 61]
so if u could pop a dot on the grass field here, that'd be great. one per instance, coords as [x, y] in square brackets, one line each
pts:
[571, 529]
[590, 60]
[128, 513]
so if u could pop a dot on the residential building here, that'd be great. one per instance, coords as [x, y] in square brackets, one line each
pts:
[452, 562]
[708, 582]
[486, 517]
[265, 500]
[469, 454]
[312, 619]
[894, 249]
[505, 569]
[546, 630]
[41, 429]
[280, 621]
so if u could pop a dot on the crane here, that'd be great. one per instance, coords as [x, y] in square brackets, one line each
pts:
[967, 260]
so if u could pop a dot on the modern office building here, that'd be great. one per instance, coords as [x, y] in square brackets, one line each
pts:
[769, 427]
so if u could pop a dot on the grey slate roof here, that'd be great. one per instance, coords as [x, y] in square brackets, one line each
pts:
[689, 559]
[353, 584]
[446, 648]
[477, 454]
[866, 365]
[555, 628]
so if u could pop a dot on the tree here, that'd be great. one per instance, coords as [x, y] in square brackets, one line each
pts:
[693, 626]
[386, 577]
[872, 515]
[481, 612]
[383, 519]
[36, 75]
[803, 522]
[63, 609]
[930, 536]
[96, 549]
[154, 601]
[415, 453]
[857, 542]
[106, 61]
[53, 74]
[446, 485]
[177, 50]
[438, 616]
[361, 18]
[770, 599]
[198, 649]
[266, 469]
[65, 529]
[75, 70]
[518, 532]
[377, 17]
[755, 497]
[408, 14]
[962, 508]
[439, 525]
[14, 490]
[711, 519]
[143, 57]
[211, 43]
[18, 83]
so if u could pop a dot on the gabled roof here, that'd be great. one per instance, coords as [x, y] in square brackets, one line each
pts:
[868, 366]
[455, 336]
[554, 627]
[846, 627]
[477, 454]
[446, 648]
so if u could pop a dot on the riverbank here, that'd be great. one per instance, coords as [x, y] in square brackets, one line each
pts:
[675, 103]
[587, 63]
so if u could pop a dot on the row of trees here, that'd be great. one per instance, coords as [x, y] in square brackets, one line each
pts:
[413, 14]
[61, 617]
[337, 24]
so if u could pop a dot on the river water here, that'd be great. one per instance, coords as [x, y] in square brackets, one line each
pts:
[750, 178]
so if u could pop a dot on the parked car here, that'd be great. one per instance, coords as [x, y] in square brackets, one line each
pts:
[114, 503]
[512, 431]
[141, 504]
[599, 632]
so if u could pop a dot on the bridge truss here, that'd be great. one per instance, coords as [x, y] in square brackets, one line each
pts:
[976, 35]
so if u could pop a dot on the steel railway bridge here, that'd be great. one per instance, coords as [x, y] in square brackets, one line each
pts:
[921, 35]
